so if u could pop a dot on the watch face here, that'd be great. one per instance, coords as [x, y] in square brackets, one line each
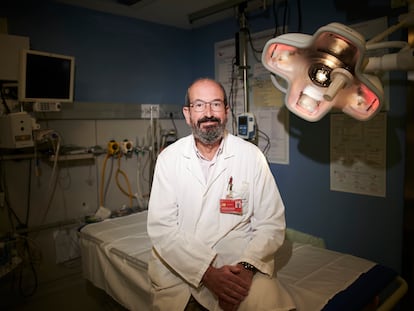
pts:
[248, 266]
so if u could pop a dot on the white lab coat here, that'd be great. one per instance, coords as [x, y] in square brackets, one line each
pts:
[188, 231]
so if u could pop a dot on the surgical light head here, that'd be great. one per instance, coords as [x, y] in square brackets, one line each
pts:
[323, 71]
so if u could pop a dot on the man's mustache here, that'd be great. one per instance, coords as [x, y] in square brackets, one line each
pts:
[208, 119]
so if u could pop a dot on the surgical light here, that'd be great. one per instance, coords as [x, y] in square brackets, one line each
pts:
[332, 69]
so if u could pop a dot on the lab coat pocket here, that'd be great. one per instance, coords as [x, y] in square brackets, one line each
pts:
[241, 191]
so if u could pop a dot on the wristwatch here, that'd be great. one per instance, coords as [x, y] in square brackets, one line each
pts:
[248, 266]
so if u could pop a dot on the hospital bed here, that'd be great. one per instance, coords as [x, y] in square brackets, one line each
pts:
[115, 253]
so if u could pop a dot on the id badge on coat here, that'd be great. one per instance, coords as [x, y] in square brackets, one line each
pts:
[230, 205]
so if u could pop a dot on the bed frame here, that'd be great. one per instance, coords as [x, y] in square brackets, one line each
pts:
[115, 253]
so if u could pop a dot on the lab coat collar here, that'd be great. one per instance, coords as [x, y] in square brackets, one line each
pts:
[225, 153]
[225, 150]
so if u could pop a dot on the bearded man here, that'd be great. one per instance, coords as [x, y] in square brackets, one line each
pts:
[215, 216]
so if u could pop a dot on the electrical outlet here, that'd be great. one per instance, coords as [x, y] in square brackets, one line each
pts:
[149, 111]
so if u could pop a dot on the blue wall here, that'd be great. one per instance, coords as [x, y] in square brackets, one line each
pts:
[366, 226]
[118, 59]
[125, 60]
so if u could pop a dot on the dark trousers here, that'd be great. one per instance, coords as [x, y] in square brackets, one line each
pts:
[193, 305]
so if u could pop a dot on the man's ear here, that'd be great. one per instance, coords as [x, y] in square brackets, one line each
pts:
[186, 113]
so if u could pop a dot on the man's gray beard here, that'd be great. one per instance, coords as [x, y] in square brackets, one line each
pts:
[210, 135]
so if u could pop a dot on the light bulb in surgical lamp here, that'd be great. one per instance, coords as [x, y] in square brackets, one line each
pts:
[310, 99]
[320, 74]
[362, 102]
[323, 71]
[284, 59]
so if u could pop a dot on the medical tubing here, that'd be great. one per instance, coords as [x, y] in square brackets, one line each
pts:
[53, 176]
[101, 192]
[108, 179]
[119, 171]
[55, 160]
[140, 196]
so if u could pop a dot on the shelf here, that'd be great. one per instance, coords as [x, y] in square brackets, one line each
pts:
[22, 156]
[73, 157]
[64, 157]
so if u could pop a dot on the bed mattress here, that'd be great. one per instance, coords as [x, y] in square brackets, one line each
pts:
[115, 253]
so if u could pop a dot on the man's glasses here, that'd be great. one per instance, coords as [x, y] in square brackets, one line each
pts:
[200, 105]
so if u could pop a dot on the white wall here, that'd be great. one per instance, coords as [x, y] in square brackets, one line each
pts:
[78, 183]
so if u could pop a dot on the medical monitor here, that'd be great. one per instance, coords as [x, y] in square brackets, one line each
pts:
[45, 77]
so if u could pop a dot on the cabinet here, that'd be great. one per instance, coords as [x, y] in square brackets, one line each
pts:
[10, 47]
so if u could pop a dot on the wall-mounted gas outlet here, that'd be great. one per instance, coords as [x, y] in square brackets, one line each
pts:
[149, 111]
[113, 147]
[127, 147]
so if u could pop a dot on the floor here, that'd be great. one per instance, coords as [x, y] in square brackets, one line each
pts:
[68, 294]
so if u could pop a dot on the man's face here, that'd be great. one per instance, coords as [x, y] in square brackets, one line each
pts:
[207, 115]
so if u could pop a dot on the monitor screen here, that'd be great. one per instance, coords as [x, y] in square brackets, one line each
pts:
[46, 77]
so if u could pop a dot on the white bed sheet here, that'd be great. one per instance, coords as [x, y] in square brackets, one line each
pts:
[115, 253]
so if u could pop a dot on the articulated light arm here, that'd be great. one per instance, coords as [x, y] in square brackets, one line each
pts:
[402, 60]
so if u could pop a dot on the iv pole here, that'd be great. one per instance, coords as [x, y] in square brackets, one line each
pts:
[242, 36]
[249, 126]
[243, 54]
